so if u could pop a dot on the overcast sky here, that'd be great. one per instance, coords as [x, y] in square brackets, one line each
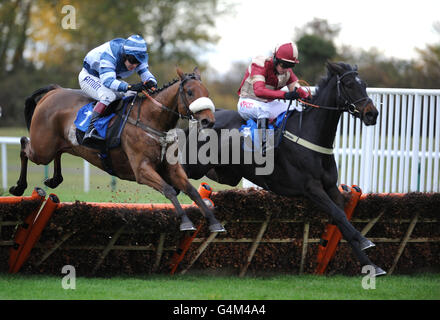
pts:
[395, 28]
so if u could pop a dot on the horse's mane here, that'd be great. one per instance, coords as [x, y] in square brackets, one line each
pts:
[323, 82]
[166, 85]
[169, 84]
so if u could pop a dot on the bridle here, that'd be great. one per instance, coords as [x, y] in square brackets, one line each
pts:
[170, 137]
[189, 114]
[348, 103]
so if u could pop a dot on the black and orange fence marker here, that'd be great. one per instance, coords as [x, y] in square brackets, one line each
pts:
[26, 238]
[205, 192]
[331, 237]
[23, 230]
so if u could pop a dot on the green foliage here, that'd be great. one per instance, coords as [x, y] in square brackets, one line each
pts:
[36, 50]
[314, 52]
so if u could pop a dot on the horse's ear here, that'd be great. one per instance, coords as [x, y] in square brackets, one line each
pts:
[179, 72]
[334, 68]
[197, 73]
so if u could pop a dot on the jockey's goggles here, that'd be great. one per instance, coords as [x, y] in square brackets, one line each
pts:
[132, 59]
[284, 64]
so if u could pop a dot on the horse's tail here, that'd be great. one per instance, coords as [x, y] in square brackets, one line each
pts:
[31, 102]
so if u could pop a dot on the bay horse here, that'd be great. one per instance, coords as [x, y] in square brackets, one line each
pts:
[304, 163]
[50, 114]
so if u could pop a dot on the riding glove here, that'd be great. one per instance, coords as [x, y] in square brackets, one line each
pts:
[291, 95]
[150, 84]
[138, 87]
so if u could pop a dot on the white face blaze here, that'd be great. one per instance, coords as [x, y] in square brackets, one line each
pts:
[202, 103]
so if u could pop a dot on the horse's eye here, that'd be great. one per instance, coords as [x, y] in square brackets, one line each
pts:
[189, 92]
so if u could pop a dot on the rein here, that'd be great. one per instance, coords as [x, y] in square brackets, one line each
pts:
[164, 138]
[348, 106]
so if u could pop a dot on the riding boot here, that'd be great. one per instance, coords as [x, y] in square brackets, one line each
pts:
[91, 130]
[262, 124]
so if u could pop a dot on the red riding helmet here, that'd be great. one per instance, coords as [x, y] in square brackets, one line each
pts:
[287, 53]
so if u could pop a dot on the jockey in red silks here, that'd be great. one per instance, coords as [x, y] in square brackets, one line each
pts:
[260, 87]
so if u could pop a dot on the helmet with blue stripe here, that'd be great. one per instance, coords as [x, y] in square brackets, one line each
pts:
[136, 46]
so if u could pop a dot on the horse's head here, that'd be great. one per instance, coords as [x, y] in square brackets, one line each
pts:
[193, 99]
[352, 93]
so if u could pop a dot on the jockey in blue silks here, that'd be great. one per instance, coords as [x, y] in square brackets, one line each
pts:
[105, 65]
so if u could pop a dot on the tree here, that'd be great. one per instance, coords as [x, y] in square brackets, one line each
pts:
[315, 46]
[35, 48]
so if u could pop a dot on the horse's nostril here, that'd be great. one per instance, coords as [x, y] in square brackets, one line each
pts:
[370, 117]
[205, 123]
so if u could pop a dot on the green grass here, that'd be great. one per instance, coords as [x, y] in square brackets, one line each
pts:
[72, 188]
[203, 287]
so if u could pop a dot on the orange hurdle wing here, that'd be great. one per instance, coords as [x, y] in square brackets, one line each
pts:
[332, 235]
[23, 230]
[35, 231]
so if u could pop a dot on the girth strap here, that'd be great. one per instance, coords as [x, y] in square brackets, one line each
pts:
[307, 144]
[164, 138]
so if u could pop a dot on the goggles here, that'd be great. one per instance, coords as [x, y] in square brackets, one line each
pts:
[132, 59]
[284, 64]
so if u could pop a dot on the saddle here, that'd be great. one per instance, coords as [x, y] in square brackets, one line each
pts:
[109, 126]
[276, 128]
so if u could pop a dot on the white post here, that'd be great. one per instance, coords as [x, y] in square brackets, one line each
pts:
[396, 135]
[406, 174]
[390, 134]
[86, 176]
[416, 144]
[4, 167]
[435, 184]
[423, 153]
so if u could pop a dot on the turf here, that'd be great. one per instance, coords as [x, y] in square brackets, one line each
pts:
[204, 287]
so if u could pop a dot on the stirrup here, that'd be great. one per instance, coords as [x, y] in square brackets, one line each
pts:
[92, 134]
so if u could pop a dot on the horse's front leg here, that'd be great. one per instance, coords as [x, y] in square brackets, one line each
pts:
[337, 197]
[358, 243]
[21, 185]
[146, 174]
[179, 179]
[57, 176]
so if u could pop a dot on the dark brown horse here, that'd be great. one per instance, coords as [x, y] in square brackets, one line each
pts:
[50, 114]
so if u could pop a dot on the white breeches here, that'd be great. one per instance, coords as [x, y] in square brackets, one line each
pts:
[254, 109]
[94, 88]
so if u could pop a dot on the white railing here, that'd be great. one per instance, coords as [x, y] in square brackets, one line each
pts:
[401, 153]
[4, 141]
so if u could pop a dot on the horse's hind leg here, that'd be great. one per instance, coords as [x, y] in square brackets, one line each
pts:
[21, 185]
[57, 176]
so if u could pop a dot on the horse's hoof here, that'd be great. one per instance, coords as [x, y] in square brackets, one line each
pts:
[17, 190]
[216, 227]
[52, 183]
[365, 244]
[187, 226]
[379, 272]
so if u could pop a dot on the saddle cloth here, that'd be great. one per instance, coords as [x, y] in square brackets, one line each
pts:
[84, 116]
[251, 126]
